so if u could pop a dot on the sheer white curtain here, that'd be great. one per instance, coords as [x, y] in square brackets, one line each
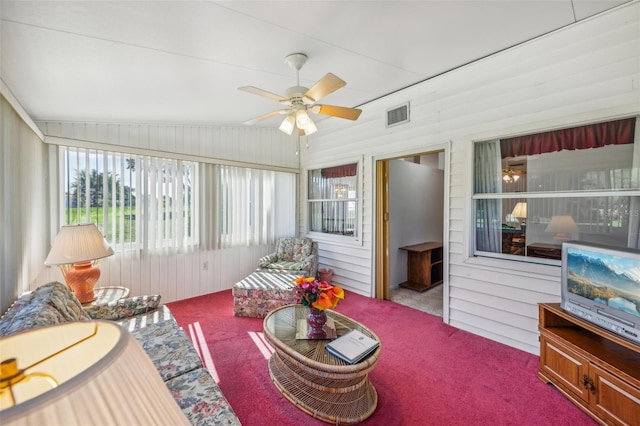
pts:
[488, 179]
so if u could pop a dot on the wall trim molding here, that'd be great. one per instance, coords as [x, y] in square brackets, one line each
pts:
[15, 104]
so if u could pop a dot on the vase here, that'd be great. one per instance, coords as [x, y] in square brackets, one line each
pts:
[316, 320]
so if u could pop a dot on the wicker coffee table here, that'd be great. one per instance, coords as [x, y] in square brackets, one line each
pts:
[315, 381]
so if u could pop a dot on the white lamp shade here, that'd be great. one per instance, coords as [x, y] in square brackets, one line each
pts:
[105, 377]
[520, 210]
[78, 243]
[562, 224]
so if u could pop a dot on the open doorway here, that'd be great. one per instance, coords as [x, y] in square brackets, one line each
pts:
[409, 231]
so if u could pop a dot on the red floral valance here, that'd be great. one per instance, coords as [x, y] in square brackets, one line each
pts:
[617, 132]
[340, 171]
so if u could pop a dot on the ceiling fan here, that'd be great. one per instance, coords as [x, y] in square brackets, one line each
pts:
[511, 175]
[299, 100]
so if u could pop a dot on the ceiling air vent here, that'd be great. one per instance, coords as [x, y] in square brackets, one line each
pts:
[398, 115]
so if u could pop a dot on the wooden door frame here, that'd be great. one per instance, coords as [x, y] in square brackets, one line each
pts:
[381, 286]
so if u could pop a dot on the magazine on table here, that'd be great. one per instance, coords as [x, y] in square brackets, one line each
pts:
[353, 347]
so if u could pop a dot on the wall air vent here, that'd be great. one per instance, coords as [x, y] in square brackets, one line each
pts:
[398, 115]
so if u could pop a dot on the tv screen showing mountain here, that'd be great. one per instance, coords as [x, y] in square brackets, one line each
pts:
[605, 279]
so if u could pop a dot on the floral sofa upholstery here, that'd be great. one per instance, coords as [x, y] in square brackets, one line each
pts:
[298, 256]
[155, 328]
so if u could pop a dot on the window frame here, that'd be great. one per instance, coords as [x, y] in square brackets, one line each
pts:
[474, 253]
[356, 239]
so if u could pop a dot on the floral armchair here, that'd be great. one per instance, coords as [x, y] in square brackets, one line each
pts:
[294, 256]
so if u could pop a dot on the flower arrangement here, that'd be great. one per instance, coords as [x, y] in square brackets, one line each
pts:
[317, 294]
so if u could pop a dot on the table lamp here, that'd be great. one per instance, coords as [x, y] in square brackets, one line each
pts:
[520, 211]
[561, 225]
[75, 250]
[82, 373]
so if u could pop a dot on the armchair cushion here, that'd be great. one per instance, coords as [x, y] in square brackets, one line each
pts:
[297, 256]
[293, 249]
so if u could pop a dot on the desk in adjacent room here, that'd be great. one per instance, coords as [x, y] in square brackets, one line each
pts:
[545, 250]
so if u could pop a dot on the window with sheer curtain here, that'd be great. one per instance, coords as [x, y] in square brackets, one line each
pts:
[161, 205]
[532, 192]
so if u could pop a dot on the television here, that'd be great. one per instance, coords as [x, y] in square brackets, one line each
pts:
[601, 284]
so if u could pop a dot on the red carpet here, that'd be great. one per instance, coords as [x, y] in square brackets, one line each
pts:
[428, 374]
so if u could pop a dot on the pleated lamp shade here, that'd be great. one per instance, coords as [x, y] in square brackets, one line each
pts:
[82, 373]
[75, 249]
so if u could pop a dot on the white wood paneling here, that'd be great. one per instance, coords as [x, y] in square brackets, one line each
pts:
[587, 72]
[250, 146]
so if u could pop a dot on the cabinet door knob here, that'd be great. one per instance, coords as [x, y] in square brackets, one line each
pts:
[588, 384]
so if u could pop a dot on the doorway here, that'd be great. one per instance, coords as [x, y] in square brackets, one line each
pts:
[410, 211]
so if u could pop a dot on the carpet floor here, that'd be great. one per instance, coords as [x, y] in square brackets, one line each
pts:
[428, 373]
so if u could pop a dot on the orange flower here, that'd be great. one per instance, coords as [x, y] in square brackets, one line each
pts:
[324, 301]
[320, 295]
[338, 292]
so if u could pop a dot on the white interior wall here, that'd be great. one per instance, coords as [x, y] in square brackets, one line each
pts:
[416, 209]
[583, 73]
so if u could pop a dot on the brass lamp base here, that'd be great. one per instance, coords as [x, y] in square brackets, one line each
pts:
[81, 278]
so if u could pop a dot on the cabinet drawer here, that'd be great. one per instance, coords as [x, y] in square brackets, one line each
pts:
[566, 367]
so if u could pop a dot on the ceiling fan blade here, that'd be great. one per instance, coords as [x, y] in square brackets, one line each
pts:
[337, 111]
[265, 116]
[326, 85]
[260, 92]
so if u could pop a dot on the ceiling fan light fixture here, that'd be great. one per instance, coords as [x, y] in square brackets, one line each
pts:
[288, 124]
[302, 118]
[311, 128]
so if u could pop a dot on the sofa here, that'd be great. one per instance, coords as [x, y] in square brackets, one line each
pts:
[155, 328]
[297, 256]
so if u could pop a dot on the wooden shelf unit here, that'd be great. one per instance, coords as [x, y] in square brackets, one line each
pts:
[597, 370]
[424, 266]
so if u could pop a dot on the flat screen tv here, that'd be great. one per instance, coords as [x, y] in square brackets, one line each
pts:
[601, 284]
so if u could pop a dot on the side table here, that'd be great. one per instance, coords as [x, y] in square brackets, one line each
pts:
[105, 295]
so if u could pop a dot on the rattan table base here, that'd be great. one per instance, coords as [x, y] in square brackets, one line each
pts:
[315, 381]
[337, 405]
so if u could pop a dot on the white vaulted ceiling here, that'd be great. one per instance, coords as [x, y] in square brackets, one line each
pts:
[182, 61]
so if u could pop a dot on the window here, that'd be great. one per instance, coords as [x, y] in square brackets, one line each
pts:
[139, 201]
[247, 206]
[535, 191]
[333, 200]
[151, 204]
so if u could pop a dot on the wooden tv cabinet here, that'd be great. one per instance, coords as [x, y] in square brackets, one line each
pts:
[596, 369]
